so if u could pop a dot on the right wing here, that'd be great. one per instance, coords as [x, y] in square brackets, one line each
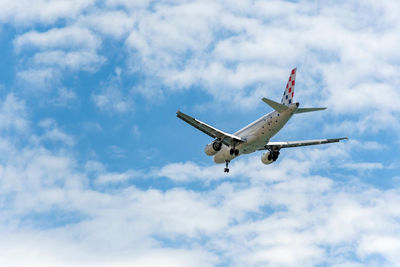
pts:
[226, 138]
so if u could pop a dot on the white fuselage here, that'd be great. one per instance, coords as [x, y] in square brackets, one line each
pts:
[257, 134]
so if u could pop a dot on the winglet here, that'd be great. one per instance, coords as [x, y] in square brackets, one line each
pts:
[275, 105]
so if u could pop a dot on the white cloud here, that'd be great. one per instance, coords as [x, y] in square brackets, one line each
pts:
[128, 4]
[363, 166]
[111, 99]
[58, 38]
[65, 97]
[111, 178]
[182, 172]
[384, 245]
[28, 12]
[78, 60]
[110, 23]
[250, 218]
[47, 54]
[54, 134]
[236, 52]
[13, 114]
[38, 79]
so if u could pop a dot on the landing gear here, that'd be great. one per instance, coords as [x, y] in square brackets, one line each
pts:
[273, 154]
[234, 151]
[226, 166]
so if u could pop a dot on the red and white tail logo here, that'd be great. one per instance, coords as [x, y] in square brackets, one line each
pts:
[288, 95]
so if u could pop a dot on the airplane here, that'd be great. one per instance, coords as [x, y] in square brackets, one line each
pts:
[256, 136]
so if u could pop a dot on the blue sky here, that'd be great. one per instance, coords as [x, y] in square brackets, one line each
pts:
[95, 168]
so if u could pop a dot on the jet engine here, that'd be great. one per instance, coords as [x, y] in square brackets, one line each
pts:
[212, 148]
[268, 157]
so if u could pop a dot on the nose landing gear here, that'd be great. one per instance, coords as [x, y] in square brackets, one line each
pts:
[226, 166]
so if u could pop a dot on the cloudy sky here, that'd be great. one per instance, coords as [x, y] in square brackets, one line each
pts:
[95, 168]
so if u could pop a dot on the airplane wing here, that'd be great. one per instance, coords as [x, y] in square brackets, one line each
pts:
[226, 138]
[279, 145]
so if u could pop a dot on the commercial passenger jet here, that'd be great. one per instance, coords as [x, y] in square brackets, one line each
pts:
[257, 135]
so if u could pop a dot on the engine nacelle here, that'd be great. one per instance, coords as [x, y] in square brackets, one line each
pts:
[212, 148]
[267, 158]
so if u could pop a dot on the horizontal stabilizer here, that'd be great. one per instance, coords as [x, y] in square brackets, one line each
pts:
[275, 105]
[304, 110]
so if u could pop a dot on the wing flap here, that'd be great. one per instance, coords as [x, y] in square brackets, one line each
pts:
[226, 138]
[280, 145]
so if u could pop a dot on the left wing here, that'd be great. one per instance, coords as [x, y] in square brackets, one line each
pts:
[226, 138]
[279, 145]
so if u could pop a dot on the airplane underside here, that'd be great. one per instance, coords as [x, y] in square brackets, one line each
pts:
[256, 136]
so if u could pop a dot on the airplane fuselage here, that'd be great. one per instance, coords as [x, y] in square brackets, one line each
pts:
[257, 133]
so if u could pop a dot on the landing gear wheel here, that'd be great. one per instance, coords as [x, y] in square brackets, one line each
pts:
[234, 151]
[226, 168]
[275, 156]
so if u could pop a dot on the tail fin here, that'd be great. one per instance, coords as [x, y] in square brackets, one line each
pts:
[288, 95]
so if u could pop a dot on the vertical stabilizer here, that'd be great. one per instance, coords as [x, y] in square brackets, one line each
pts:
[288, 95]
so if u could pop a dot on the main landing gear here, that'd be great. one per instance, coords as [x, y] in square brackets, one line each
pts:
[234, 151]
[226, 166]
[273, 155]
